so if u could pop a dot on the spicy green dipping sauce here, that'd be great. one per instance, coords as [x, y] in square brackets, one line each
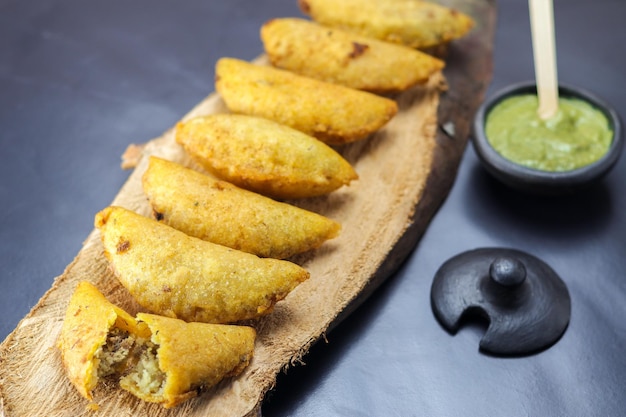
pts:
[578, 135]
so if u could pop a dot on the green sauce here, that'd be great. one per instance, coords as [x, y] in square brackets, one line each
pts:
[578, 135]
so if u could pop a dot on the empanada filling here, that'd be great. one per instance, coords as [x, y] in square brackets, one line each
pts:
[145, 378]
[134, 359]
[118, 352]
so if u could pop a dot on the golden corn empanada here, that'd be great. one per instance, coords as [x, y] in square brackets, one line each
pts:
[414, 23]
[222, 213]
[176, 275]
[185, 358]
[342, 57]
[264, 156]
[332, 113]
[88, 320]
[158, 359]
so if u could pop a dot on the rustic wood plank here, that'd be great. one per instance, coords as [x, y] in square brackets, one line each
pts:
[406, 171]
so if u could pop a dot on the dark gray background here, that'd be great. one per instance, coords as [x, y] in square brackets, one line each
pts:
[79, 81]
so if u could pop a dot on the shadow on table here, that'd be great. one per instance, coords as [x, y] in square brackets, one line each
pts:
[494, 206]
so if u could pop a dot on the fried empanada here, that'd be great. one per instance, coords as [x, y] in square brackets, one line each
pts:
[414, 23]
[332, 113]
[159, 359]
[89, 319]
[176, 275]
[222, 213]
[264, 156]
[182, 358]
[345, 58]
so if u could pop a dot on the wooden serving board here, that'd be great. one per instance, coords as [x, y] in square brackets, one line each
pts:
[406, 170]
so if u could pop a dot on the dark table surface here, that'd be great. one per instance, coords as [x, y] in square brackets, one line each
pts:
[79, 81]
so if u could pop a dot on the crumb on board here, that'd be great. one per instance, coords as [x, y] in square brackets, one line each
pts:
[131, 156]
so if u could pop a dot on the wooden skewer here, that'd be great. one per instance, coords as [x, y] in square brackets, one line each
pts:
[544, 54]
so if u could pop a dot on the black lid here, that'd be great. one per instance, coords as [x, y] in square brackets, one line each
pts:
[526, 302]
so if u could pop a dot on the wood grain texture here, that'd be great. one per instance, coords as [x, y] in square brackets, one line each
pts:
[406, 170]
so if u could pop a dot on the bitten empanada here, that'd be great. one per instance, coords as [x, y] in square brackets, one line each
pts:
[414, 23]
[222, 213]
[176, 275]
[158, 359]
[332, 113]
[345, 58]
[264, 156]
[186, 358]
[89, 319]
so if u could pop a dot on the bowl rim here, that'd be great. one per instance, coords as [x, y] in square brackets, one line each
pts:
[516, 174]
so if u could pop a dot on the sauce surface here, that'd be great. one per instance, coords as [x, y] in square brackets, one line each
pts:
[578, 135]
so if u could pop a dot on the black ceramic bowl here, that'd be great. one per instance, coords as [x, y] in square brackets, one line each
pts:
[544, 182]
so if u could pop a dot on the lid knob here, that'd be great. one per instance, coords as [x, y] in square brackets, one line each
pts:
[507, 271]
